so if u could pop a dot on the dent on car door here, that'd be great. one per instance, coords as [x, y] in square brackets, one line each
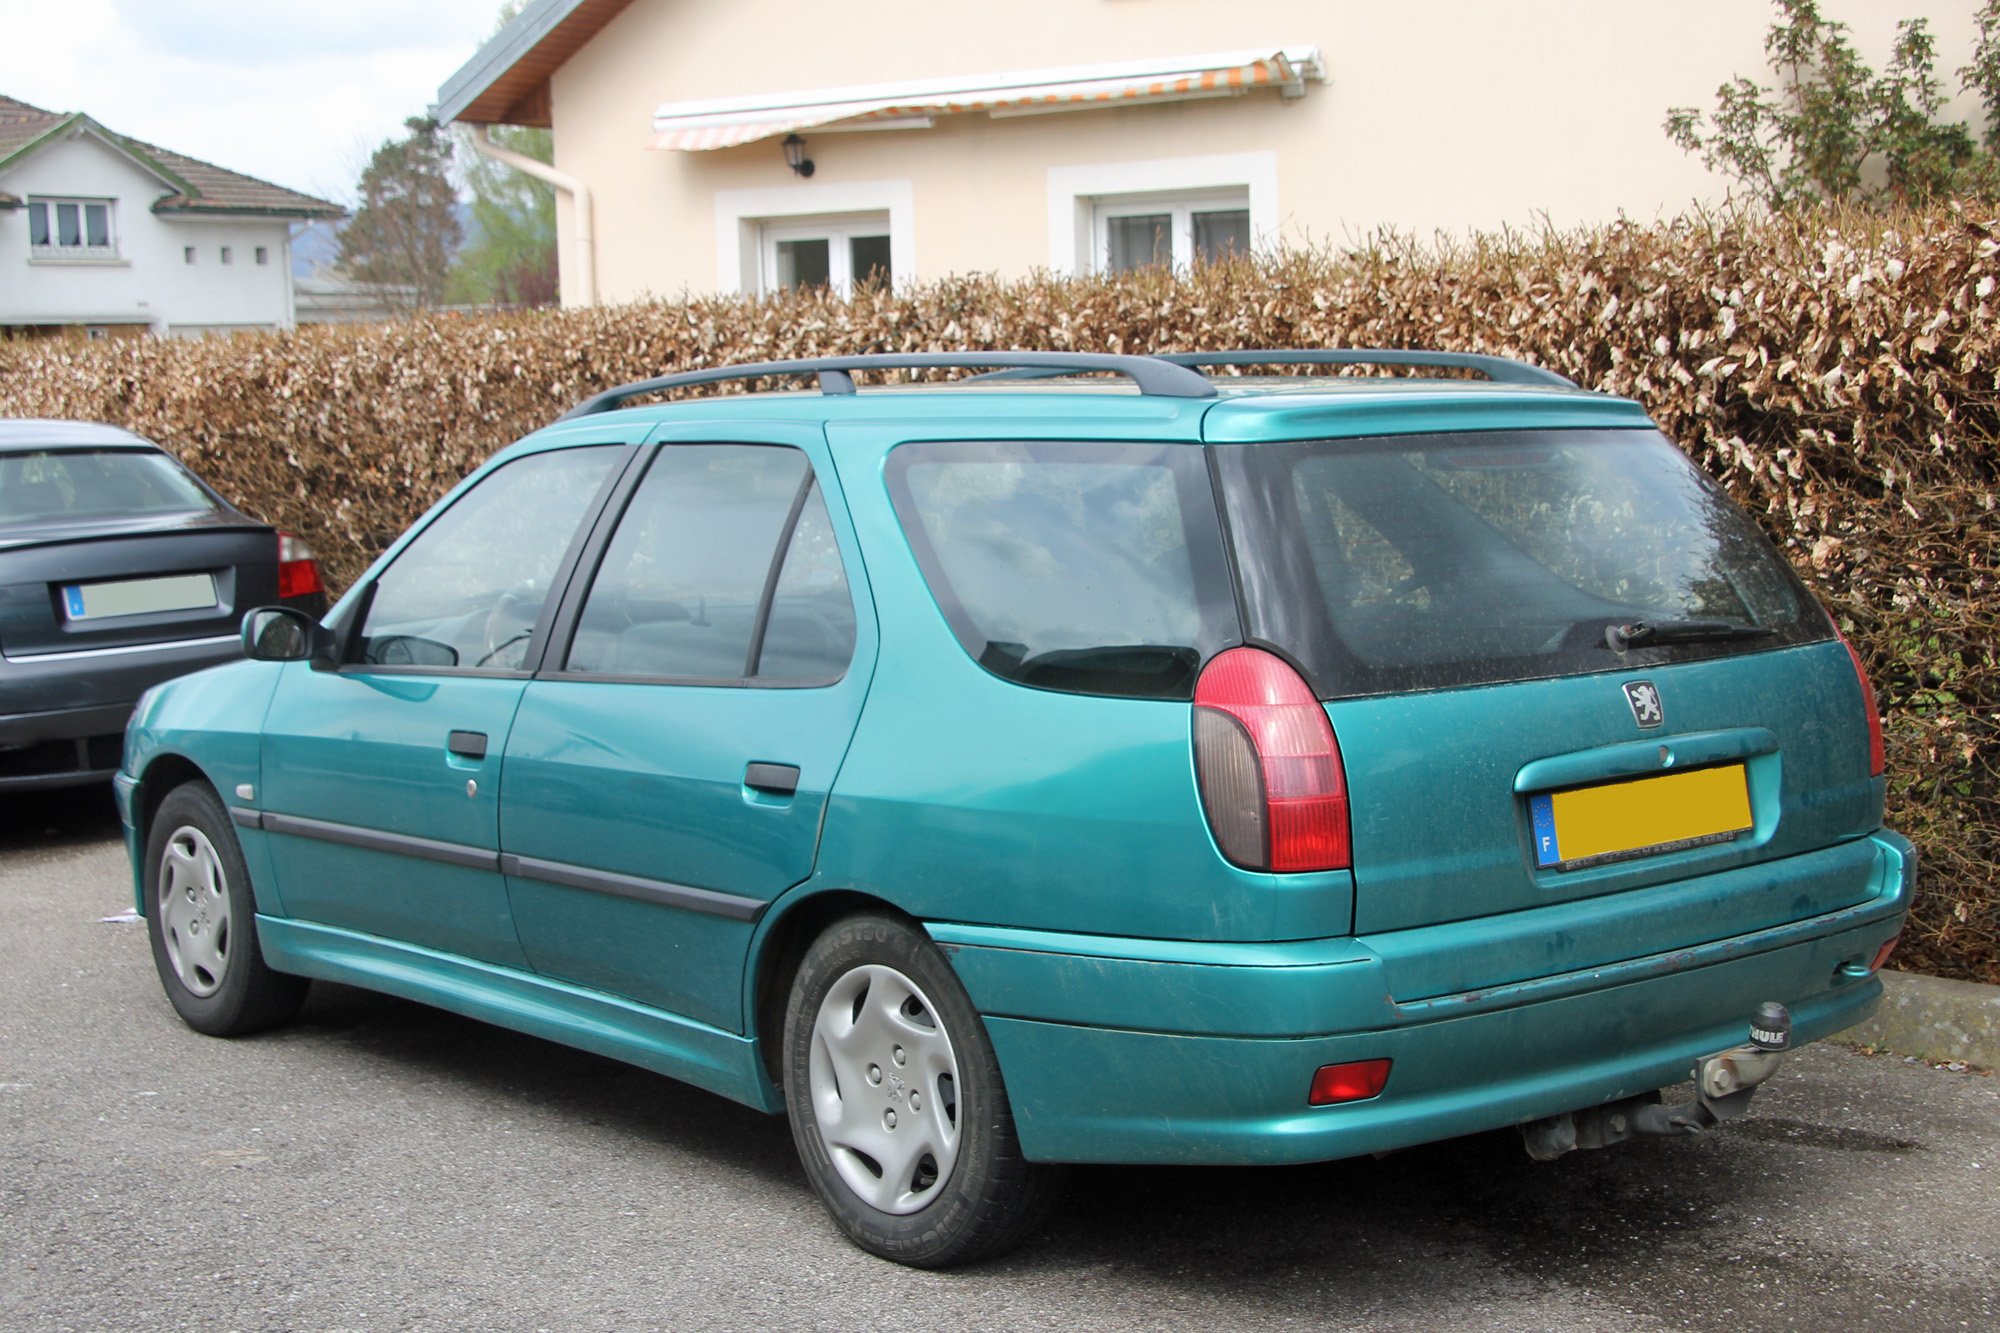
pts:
[666, 771]
[381, 778]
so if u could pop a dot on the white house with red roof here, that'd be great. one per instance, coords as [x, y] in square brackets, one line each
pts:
[114, 237]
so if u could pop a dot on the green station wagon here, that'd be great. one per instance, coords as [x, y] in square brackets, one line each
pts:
[1098, 759]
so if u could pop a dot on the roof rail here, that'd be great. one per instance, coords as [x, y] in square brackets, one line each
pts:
[1499, 369]
[1153, 375]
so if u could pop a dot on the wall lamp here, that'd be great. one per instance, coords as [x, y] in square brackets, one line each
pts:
[795, 155]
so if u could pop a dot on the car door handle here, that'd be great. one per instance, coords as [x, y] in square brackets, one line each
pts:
[467, 744]
[777, 779]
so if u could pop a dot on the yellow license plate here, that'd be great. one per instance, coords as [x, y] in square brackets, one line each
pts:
[1644, 817]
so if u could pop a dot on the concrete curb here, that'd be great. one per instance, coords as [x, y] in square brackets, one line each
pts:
[1934, 1018]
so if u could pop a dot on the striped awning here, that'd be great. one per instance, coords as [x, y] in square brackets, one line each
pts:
[727, 122]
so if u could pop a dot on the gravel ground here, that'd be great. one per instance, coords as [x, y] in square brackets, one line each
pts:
[385, 1166]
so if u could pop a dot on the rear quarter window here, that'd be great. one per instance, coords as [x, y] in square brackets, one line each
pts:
[1083, 568]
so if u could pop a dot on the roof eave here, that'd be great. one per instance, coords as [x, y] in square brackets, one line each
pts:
[307, 211]
[117, 143]
[41, 141]
[471, 94]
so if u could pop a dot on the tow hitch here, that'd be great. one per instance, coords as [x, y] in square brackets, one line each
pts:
[1723, 1085]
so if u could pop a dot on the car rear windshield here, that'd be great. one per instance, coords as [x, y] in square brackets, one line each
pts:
[1422, 561]
[56, 485]
[1084, 568]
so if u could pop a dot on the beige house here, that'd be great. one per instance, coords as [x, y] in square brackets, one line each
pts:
[750, 145]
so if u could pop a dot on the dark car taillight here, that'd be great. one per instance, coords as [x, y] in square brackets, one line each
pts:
[298, 568]
[1268, 764]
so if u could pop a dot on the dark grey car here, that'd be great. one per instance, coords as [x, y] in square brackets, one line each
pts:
[119, 569]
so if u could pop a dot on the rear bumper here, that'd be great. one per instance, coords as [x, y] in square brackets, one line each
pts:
[67, 748]
[1204, 1053]
[62, 715]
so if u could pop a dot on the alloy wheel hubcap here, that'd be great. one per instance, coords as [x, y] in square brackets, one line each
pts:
[884, 1086]
[194, 910]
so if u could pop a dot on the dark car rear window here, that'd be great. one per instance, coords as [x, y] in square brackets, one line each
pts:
[1085, 568]
[1415, 562]
[53, 485]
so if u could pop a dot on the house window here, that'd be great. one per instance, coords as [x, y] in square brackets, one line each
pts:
[1182, 230]
[187, 254]
[1184, 211]
[71, 229]
[227, 257]
[263, 254]
[840, 252]
[865, 230]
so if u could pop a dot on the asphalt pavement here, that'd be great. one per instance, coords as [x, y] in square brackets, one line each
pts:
[385, 1166]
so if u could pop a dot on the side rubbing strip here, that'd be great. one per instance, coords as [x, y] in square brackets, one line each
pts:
[632, 886]
[402, 844]
[247, 818]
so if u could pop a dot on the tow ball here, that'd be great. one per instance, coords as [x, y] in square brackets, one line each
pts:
[1723, 1085]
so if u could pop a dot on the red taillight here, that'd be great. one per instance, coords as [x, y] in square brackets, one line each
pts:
[298, 568]
[1877, 764]
[1882, 954]
[1355, 1081]
[1269, 766]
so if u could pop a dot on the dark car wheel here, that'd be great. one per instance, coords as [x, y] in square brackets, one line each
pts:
[896, 1102]
[203, 921]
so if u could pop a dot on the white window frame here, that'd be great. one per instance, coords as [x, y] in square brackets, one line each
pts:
[838, 230]
[55, 250]
[743, 218]
[1080, 197]
[1180, 206]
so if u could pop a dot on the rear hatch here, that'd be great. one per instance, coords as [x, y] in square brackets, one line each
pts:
[1465, 603]
[119, 548]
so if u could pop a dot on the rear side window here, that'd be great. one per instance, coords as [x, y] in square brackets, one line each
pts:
[59, 485]
[723, 568]
[1415, 562]
[1085, 568]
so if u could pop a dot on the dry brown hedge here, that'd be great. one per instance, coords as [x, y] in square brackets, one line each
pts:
[1839, 375]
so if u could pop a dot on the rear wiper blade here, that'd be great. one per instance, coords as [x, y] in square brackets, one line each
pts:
[1641, 633]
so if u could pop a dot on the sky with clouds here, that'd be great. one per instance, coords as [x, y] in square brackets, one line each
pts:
[291, 92]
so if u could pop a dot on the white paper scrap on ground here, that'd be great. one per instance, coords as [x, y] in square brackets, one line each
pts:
[125, 917]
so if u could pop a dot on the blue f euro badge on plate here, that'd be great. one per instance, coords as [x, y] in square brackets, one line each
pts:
[1542, 813]
[73, 601]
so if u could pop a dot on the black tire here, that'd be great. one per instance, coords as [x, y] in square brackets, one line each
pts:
[205, 943]
[989, 1198]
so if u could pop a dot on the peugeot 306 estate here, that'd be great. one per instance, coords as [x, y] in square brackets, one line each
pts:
[1107, 759]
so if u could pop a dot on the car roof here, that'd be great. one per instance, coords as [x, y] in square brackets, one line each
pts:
[18, 434]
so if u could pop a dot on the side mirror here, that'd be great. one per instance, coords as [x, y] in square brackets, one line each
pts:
[282, 634]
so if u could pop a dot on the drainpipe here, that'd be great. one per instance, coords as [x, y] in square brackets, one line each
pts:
[579, 196]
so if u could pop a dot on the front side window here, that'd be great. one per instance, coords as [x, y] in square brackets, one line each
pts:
[1084, 568]
[59, 485]
[1426, 561]
[723, 568]
[1178, 230]
[467, 591]
[71, 228]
